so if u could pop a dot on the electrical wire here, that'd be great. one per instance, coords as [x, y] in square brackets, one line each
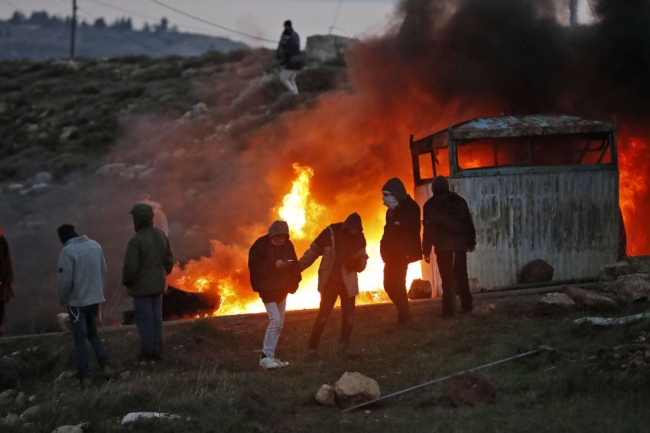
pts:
[10, 4]
[336, 16]
[593, 15]
[219, 26]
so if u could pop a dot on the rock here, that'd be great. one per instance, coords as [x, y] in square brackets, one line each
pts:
[11, 373]
[553, 303]
[326, 395]
[68, 429]
[324, 48]
[355, 388]
[472, 388]
[69, 133]
[537, 271]
[134, 416]
[420, 289]
[161, 158]
[147, 173]
[31, 413]
[10, 419]
[589, 299]
[179, 153]
[110, 170]
[632, 287]
[32, 127]
[191, 193]
[63, 322]
[7, 397]
[15, 186]
[65, 376]
[190, 72]
[32, 398]
[640, 264]
[612, 271]
[43, 177]
[21, 399]
[125, 375]
[34, 188]
[198, 110]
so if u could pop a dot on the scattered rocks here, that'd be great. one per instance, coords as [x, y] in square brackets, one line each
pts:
[355, 388]
[326, 395]
[472, 388]
[420, 289]
[553, 303]
[537, 271]
[589, 299]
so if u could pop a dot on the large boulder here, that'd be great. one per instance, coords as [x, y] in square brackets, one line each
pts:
[537, 271]
[632, 287]
[323, 48]
[611, 271]
[553, 303]
[589, 299]
[326, 395]
[355, 388]
[420, 289]
[472, 388]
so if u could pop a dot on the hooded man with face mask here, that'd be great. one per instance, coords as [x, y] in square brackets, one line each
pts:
[147, 263]
[400, 244]
[343, 247]
[449, 228]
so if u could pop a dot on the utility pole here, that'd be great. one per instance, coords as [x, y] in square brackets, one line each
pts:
[73, 25]
[573, 12]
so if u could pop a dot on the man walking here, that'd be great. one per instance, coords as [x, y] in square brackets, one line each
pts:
[449, 228]
[80, 286]
[343, 247]
[147, 263]
[400, 244]
[7, 290]
[288, 54]
[274, 274]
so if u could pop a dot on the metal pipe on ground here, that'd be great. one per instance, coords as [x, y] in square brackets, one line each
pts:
[442, 379]
[587, 280]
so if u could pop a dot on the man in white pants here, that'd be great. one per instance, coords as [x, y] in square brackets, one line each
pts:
[274, 273]
[288, 54]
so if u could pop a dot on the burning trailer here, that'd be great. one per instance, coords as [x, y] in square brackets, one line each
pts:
[539, 187]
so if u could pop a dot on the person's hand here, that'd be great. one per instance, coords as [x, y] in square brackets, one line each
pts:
[471, 249]
[279, 264]
[427, 258]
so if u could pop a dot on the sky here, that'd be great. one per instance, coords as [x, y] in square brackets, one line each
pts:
[262, 18]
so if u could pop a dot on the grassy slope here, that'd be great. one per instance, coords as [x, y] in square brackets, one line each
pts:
[210, 374]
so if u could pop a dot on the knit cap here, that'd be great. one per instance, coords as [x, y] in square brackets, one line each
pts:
[279, 228]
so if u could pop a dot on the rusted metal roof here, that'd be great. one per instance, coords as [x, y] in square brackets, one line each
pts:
[515, 126]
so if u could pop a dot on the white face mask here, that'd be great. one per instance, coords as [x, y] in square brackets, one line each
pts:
[390, 201]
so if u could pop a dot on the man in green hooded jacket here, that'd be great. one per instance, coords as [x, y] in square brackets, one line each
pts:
[147, 263]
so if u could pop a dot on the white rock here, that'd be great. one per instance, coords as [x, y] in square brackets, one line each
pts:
[134, 416]
[43, 177]
[326, 395]
[68, 429]
[10, 419]
[110, 170]
[355, 388]
[553, 303]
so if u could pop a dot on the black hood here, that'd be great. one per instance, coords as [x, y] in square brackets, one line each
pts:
[142, 216]
[396, 187]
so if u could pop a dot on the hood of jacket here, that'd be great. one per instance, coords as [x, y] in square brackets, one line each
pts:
[449, 203]
[142, 216]
[396, 187]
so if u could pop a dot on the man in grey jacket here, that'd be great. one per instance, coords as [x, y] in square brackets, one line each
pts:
[80, 286]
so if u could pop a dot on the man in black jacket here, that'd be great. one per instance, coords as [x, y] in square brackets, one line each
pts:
[400, 244]
[449, 228]
[274, 274]
[288, 54]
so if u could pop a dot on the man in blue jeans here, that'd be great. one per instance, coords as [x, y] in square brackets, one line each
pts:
[80, 286]
[147, 263]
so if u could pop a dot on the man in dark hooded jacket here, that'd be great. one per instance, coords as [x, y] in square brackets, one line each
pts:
[288, 54]
[449, 228]
[7, 290]
[343, 247]
[274, 273]
[147, 263]
[400, 244]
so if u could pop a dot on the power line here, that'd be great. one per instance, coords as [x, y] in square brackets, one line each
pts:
[178, 11]
[10, 4]
[593, 15]
[336, 15]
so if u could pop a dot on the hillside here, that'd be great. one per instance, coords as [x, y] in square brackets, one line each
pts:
[596, 379]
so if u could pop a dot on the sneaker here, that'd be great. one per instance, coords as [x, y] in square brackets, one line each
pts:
[268, 363]
[107, 372]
